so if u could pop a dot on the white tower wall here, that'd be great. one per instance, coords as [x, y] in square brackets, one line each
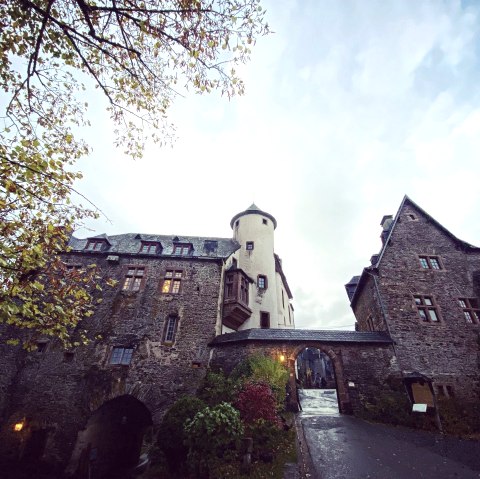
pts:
[253, 226]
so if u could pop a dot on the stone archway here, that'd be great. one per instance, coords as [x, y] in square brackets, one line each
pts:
[110, 445]
[344, 405]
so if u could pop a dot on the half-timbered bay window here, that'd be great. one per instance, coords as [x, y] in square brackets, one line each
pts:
[236, 298]
[134, 278]
[172, 281]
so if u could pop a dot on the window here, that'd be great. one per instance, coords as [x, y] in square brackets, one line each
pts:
[210, 246]
[262, 281]
[134, 278]
[149, 247]
[264, 221]
[95, 245]
[121, 356]
[471, 313]
[236, 287]
[172, 281]
[429, 262]
[182, 249]
[249, 245]
[170, 329]
[426, 309]
[445, 391]
[237, 223]
[264, 320]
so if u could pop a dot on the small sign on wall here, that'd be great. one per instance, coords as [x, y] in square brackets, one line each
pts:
[419, 408]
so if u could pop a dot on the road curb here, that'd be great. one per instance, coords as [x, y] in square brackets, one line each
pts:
[305, 463]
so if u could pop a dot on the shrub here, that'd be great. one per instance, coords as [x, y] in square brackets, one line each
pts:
[256, 401]
[264, 369]
[459, 418]
[217, 388]
[171, 434]
[213, 433]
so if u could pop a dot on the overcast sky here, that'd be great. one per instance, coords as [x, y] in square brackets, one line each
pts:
[349, 105]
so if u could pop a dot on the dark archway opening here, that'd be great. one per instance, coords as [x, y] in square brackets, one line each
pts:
[112, 441]
[316, 382]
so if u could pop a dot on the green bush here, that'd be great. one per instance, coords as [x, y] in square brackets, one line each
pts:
[213, 433]
[266, 435]
[459, 418]
[171, 434]
[217, 388]
[260, 368]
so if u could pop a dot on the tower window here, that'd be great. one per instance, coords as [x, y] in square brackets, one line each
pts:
[264, 221]
[262, 281]
[264, 320]
[237, 223]
[249, 245]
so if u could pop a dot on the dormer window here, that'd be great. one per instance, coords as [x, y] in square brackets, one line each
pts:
[149, 247]
[96, 245]
[182, 249]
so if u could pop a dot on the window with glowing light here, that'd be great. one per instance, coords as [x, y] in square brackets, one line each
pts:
[134, 278]
[172, 281]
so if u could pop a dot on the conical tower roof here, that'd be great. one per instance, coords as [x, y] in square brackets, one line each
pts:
[253, 209]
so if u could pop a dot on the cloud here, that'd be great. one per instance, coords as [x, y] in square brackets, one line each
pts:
[349, 106]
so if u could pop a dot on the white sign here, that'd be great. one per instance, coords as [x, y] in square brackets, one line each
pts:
[419, 408]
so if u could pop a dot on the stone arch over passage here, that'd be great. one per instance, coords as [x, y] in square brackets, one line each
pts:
[362, 360]
[111, 443]
[335, 357]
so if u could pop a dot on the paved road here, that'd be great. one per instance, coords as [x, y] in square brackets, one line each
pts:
[343, 447]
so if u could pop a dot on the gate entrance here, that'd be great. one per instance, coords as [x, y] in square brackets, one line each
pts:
[316, 383]
[111, 443]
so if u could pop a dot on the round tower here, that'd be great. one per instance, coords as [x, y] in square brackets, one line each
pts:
[254, 230]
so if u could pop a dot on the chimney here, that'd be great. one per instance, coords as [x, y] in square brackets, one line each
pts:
[386, 224]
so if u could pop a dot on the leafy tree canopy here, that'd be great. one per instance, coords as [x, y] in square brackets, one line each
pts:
[139, 54]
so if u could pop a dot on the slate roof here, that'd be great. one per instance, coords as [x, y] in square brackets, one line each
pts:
[303, 335]
[130, 243]
[253, 209]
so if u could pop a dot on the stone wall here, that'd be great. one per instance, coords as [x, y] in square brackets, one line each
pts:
[446, 351]
[361, 370]
[59, 393]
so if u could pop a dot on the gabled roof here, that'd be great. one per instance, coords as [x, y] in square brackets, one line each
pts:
[406, 200]
[303, 336]
[130, 243]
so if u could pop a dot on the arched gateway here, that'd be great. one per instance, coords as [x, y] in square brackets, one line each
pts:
[362, 361]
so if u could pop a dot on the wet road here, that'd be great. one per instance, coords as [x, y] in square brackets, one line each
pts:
[343, 447]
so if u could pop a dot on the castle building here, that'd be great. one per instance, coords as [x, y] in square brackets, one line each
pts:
[149, 342]
[423, 289]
